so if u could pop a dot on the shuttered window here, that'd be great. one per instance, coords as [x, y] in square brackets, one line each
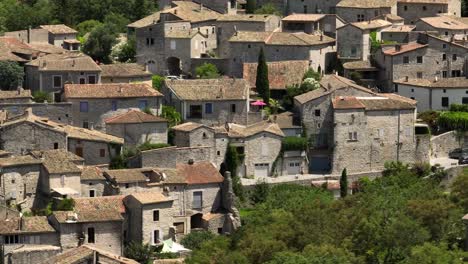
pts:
[197, 202]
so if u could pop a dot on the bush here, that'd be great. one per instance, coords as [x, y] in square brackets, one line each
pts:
[430, 118]
[142, 253]
[157, 82]
[195, 239]
[41, 97]
[294, 143]
[458, 108]
[207, 71]
[453, 120]
[66, 204]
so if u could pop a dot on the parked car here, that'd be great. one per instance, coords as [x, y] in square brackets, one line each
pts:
[172, 77]
[463, 158]
[456, 153]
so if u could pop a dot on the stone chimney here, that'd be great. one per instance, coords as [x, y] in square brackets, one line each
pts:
[29, 35]
[406, 78]
[397, 47]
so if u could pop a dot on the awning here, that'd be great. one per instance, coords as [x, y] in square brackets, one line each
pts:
[65, 191]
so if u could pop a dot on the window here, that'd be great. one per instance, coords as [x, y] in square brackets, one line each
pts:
[114, 105]
[155, 236]
[405, 8]
[195, 111]
[208, 108]
[424, 8]
[156, 215]
[445, 101]
[456, 73]
[444, 56]
[197, 202]
[444, 74]
[419, 75]
[142, 104]
[445, 90]
[56, 145]
[412, 90]
[82, 80]
[218, 153]
[85, 124]
[454, 57]
[444, 46]
[91, 235]
[446, 33]
[91, 79]
[405, 59]
[352, 136]
[419, 59]
[12, 239]
[317, 112]
[465, 100]
[380, 133]
[79, 151]
[92, 193]
[57, 81]
[102, 153]
[396, 88]
[179, 227]
[127, 185]
[173, 45]
[233, 108]
[84, 107]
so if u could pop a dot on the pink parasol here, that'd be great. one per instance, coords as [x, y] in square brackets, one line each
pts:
[258, 103]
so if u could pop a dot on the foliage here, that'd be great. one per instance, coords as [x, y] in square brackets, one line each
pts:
[147, 110]
[233, 160]
[262, 83]
[343, 184]
[127, 51]
[429, 253]
[117, 22]
[294, 143]
[459, 189]
[250, 6]
[430, 118]
[171, 115]
[453, 120]
[260, 192]
[66, 204]
[148, 146]
[274, 106]
[158, 82]
[355, 76]
[120, 161]
[100, 42]
[207, 71]
[41, 97]
[142, 253]
[11, 75]
[310, 82]
[87, 26]
[194, 240]
[268, 9]
[458, 108]
[310, 73]
[216, 250]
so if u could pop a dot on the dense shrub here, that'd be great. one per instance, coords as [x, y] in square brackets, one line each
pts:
[453, 120]
[294, 143]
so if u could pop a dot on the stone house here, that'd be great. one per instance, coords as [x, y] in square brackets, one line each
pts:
[137, 127]
[354, 39]
[88, 254]
[313, 23]
[227, 25]
[92, 181]
[446, 27]
[33, 235]
[95, 147]
[209, 101]
[20, 96]
[308, 6]
[412, 10]
[245, 46]
[434, 94]
[60, 174]
[61, 35]
[397, 33]
[289, 123]
[20, 180]
[58, 112]
[124, 73]
[98, 221]
[359, 11]
[375, 130]
[128, 181]
[93, 104]
[367, 73]
[427, 58]
[51, 72]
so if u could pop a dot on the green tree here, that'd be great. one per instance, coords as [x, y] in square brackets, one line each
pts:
[207, 71]
[262, 83]
[127, 51]
[142, 253]
[11, 75]
[251, 6]
[41, 97]
[99, 43]
[430, 254]
[117, 23]
[87, 26]
[158, 82]
[194, 240]
[459, 189]
[170, 113]
[343, 184]
[268, 9]
[260, 192]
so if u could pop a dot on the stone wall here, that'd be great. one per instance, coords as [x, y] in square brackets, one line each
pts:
[137, 134]
[423, 148]
[58, 112]
[20, 183]
[261, 148]
[442, 144]
[169, 157]
[96, 185]
[350, 14]
[92, 150]
[412, 12]
[312, 6]
[32, 254]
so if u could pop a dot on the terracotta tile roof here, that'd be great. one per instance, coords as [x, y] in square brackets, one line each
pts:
[59, 29]
[444, 22]
[181, 34]
[114, 90]
[209, 89]
[70, 131]
[190, 11]
[404, 48]
[282, 38]
[65, 62]
[72, 41]
[28, 225]
[359, 65]
[239, 131]
[91, 173]
[47, 48]
[127, 175]
[445, 83]
[15, 45]
[372, 24]
[199, 173]
[86, 253]
[303, 17]
[124, 70]
[135, 117]
[245, 18]
[398, 97]
[347, 102]
[148, 20]
[15, 94]
[385, 103]
[95, 209]
[329, 84]
[18, 161]
[399, 28]
[366, 3]
[57, 161]
[280, 74]
[188, 126]
[435, 2]
[151, 197]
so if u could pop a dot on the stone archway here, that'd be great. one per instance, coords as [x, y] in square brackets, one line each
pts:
[173, 66]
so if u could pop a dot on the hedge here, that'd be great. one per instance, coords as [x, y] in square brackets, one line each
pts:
[294, 143]
[459, 108]
[453, 120]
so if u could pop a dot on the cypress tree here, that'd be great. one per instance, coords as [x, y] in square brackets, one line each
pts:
[343, 184]
[262, 84]
[250, 7]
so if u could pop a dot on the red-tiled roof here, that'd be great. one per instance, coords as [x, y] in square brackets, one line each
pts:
[347, 102]
[134, 117]
[199, 173]
[404, 48]
[118, 90]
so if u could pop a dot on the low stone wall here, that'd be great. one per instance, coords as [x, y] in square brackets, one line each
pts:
[31, 254]
[170, 156]
[442, 144]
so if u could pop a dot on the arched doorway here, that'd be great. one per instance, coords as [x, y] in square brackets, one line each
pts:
[196, 221]
[173, 66]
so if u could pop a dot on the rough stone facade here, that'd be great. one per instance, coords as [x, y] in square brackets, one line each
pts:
[94, 152]
[169, 157]
[58, 112]
[413, 11]
[137, 134]
[442, 144]
[92, 185]
[20, 183]
[32, 254]
[312, 6]
[358, 14]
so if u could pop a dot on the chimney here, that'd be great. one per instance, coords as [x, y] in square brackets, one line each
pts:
[321, 37]
[20, 222]
[29, 35]
[406, 78]
[235, 31]
[397, 47]
[175, 11]
[190, 161]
